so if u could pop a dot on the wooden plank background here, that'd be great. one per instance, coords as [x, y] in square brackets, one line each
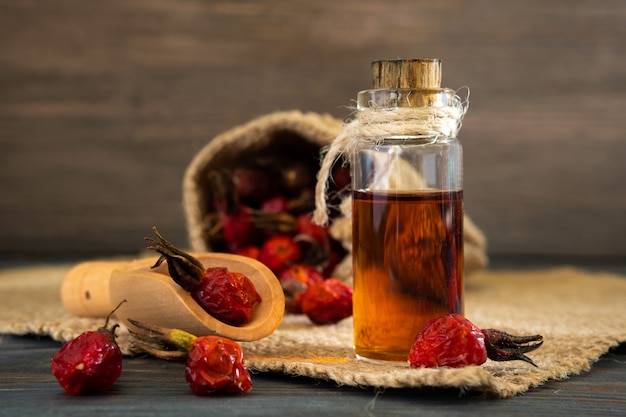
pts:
[103, 105]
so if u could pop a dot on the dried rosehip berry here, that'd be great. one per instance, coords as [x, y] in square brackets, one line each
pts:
[327, 302]
[294, 281]
[250, 251]
[227, 296]
[278, 252]
[277, 204]
[454, 341]
[90, 363]
[305, 225]
[214, 364]
[238, 229]
[449, 341]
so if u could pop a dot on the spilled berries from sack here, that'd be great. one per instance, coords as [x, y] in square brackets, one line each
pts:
[305, 226]
[213, 364]
[279, 252]
[454, 341]
[294, 282]
[327, 302]
[90, 363]
[227, 296]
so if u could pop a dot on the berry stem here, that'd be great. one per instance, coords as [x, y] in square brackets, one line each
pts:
[502, 346]
[184, 269]
[161, 342]
[106, 322]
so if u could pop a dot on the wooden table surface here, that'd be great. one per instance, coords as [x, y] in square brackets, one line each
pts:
[154, 387]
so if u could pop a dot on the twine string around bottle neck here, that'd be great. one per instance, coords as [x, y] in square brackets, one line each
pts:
[373, 125]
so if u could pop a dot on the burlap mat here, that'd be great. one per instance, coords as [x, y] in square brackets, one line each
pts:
[580, 314]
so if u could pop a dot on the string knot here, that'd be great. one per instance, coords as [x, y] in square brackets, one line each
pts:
[373, 125]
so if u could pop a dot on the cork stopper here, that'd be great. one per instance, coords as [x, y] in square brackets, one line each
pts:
[407, 73]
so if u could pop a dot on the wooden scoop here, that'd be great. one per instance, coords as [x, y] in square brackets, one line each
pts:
[93, 289]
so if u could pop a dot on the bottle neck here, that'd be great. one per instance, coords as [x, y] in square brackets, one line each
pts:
[388, 99]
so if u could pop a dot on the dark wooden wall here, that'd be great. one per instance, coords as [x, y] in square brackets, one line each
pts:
[104, 103]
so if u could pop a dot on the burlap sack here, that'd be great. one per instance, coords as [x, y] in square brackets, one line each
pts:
[300, 135]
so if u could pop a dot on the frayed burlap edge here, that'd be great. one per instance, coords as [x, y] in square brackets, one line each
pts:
[580, 315]
[260, 134]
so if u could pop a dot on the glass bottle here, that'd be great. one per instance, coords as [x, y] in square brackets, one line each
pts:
[407, 196]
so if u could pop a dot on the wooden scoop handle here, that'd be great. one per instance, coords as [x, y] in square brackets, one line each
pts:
[85, 290]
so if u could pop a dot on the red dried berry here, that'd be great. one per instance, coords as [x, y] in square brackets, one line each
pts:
[327, 302]
[294, 281]
[451, 341]
[277, 204]
[249, 251]
[227, 296]
[215, 364]
[280, 251]
[238, 228]
[454, 341]
[90, 363]
[305, 225]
